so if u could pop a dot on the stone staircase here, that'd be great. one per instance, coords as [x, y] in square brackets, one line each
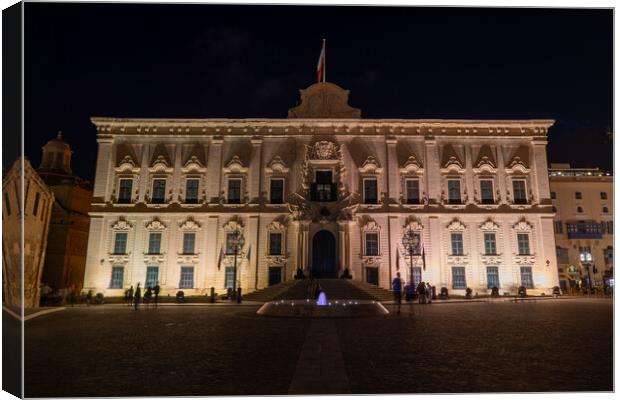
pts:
[377, 293]
[274, 292]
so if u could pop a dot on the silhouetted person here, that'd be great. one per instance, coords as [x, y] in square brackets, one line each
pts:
[147, 296]
[137, 297]
[429, 293]
[89, 297]
[156, 291]
[73, 296]
[397, 289]
[130, 296]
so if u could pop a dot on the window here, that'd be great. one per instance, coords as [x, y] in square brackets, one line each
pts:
[35, 207]
[490, 247]
[323, 189]
[186, 280]
[608, 254]
[561, 254]
[412, 187]
[454, 191]
[603, 195]
[191, 191]
[124, 192]
[579, 209]
[605, 210]
[518, 188]
[116, 281]
[457, 243]
[152, 277]
[553, 195]
[610, 227]
[234, 191]
[526, 277]
[417, 276]
[372, 244]
[558, 227]
[486, 192]
[229, 279]
[370, 191]
[523, 242]
[276, 193]
[231, 240]
[7, 203]
[458, 278]
[120, 243]
[578, 195]
[154, 242]
[275, 244]
[159, 191]
[189, 242]
[492, 277]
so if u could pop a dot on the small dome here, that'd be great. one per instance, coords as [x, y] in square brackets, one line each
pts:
[56, 156]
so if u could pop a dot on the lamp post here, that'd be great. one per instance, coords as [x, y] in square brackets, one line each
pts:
[411, 243]
[237, 242]
[586, 260]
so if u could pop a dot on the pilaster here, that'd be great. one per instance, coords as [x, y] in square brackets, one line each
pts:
[255, 170]
[431, 168]
[214, 170]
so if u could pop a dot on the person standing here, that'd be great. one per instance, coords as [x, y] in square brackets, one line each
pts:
[89, 298]
[147, 296]
[137, 297]
[156, 291]
[397, 289]
[130, 296]
[429, 293]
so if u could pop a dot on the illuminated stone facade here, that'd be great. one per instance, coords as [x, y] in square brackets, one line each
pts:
[324, 191]
[584, 208]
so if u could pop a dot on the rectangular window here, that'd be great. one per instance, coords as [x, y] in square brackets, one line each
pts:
[275, 244]
[417, 276]
[490, 247]
[526, 277]
[523, 241]
[492, 277]
[578, 195]
[372, 244]
[116, 281]
[276, 192]
[518, 189]
[610, 227]
[154, 242]
[456, 239]
[454, 191]
[603, 195]
[120, 243]
[230, 277]
[191, 191]
[159, 191]
[458, 278]
[230, 243]
[186, 280]
[486, 192]
[413, 191]
[189, 242]
[234, 191]
[370, 191]
[124, 191]
[35, 207]
[553, 195]
[558, 227]
[152, 277]
[561, 254]
[7, 203]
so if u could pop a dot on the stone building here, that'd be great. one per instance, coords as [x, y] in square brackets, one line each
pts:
[324, 191]
[31, 221]
[583, 224]
[65, 258]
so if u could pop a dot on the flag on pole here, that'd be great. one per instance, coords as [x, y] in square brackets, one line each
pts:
[320, 68]
[423, 258]
[397, 259]
[219, 260]
[249, 250]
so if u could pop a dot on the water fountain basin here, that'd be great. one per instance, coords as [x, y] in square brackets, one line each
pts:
[333, 309]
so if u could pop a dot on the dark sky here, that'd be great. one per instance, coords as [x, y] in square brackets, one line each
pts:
[206, 61]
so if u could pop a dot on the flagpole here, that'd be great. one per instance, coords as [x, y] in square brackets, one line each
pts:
[324, 61]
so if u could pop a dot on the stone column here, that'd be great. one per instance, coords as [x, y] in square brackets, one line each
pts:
[342, 246]
[104, 172]
[255, 171]
[214, 170]
[540, 174]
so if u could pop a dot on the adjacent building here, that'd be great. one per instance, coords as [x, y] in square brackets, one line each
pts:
[325, 193]
[584, 207]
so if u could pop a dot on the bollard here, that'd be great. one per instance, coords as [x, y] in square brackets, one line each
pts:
[212, 294]
[238, 295]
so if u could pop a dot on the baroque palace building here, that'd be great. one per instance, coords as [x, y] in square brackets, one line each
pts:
[323, 191]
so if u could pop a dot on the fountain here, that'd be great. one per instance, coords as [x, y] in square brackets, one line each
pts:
[322, 301]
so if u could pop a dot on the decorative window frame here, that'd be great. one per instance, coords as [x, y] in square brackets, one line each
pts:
[371, 226]
[370, 169]
[510, 190]
[276, 169]
[121, 225]
[126, 169]
[159, 170]
[235, 170]
[189, 225]
[193, 169]
[412, 170]
[276, 259]
[416, 226]
[445, 199]
[490, 226]
[486, 174]
[457, 226]
[231, 226]
[524, 226]
[155, 226]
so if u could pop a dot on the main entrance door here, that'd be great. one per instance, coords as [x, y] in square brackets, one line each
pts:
[275, 275]
[324, 255]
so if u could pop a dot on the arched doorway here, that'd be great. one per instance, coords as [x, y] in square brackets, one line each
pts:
[324, 255]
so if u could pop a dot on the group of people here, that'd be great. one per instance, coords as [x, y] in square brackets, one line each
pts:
[71, 295]
[135, 297]
[423, 290]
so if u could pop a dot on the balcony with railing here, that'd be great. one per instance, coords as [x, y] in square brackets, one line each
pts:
[584, 230]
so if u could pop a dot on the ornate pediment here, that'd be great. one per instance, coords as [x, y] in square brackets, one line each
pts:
[413, 224]
[370, 225]
[276, 226]
[486, 160]
[489, 225]
[127, 165]
[519, 161]
[235, 166]
[450, 160]
[122, 225]
[371, 165]
[160, 165]
[233, 225]
[277, 165]
[193, 164]
[523, 225]
[189, 224]
[323, 150]
[411, 166]
[155, 225]
[456, 225]
[324, 100]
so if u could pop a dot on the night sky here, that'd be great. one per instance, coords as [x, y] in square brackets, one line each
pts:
[208, 61]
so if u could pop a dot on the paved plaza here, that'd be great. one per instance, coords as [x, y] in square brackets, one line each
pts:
[112, 350]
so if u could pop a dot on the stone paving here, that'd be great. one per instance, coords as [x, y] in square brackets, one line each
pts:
[552, 345]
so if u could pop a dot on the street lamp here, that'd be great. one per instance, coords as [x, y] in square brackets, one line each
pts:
[586, 260]
[411, 243]
[236, 241]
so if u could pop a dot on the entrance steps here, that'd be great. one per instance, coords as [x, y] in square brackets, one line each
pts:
[272, 292]
[377, 293]
[334, 289]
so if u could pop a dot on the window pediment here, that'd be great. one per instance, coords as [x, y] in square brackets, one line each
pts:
[193, 165]
[122, 225]
[517, 166]
[235, 166]
[128, 166]
[523, 226]
[160, 165]
[323, 150]
[155, 225]
[371, 165]
[414, 225]
[277, 165]
[369, 225]
[489, 225]
[189, 224]
[456, 225]
[276, 226]
[453, 165]
[485, 165]
[412, 166]
[233, 225]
